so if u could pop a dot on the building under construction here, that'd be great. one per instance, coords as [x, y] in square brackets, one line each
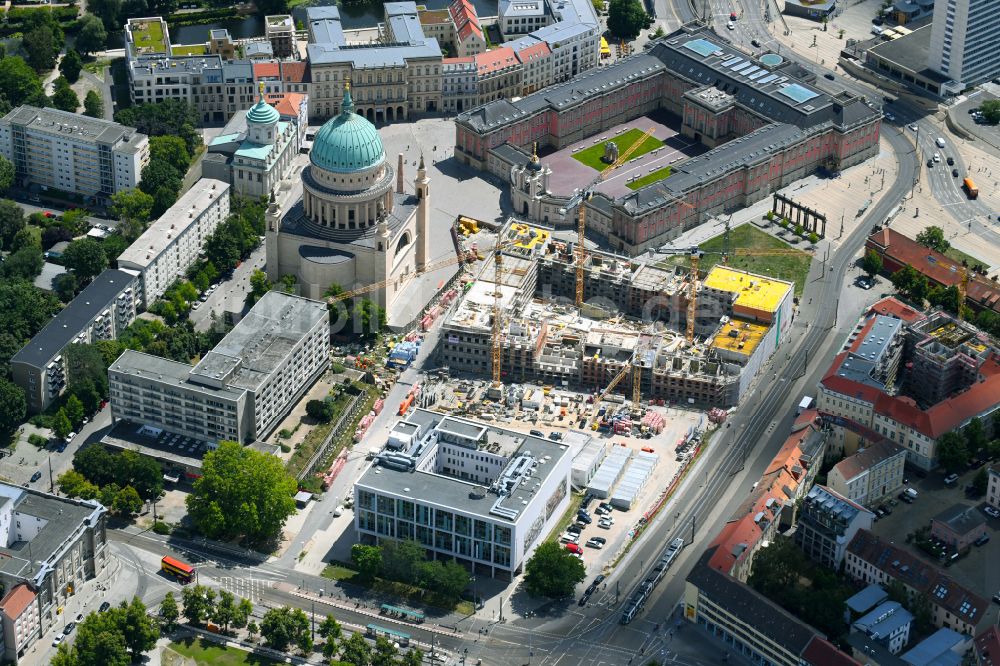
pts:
[632, 313]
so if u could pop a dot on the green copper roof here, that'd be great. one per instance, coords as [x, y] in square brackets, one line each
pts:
[262, 113]
[347, 143]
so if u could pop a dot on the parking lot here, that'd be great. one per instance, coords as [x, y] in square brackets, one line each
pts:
[976, 570]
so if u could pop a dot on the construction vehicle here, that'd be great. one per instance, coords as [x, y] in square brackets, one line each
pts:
[583, 196]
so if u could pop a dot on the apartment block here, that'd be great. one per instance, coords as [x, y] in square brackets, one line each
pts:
[101, 311]
[827, 523]
[241, 389]
[280, 32]
[963, 35]
[871, 475]
[911, 383]
[481, 494]
[870, 559]
[71, 152]
[171, 244]
[49, 548]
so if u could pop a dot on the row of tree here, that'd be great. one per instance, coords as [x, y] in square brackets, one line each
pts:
[117, 637]
[405, 562]
[955, 449]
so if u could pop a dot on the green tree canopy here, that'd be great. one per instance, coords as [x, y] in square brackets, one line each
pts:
[166, 118]
[6, 174]
[170, 149]
[86, 258]
[93, 35]
[24, 309]
[41, 48]
[259, 285]
[198, 603]
[71, 65]
[74, 410]
[368, 560]
[952, 452]
[136, 626]
[991, 111]
[169, 612]
[134, 208]
[321, 410]
[61, 427]
[12, 407]
[93, 105]
[25, 263]
[872, 263]
[242, 492]
[552, 571]
[127, 502]
[627, 18]
[11, 221]
[282, 627]
[355, 650]
[19, 84]
[933, 237]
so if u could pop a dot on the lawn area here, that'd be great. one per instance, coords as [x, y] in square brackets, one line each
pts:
[207, 653]
[188, 50]
[959, 256]
[413, 595]
[149, 36]
[649, 178]
[793, 267]
[592, 156]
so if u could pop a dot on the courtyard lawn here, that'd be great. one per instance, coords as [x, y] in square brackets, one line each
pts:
[592, 156]
[207, 653]
[149, 36]
[793, 267]
[649, 178]
[188, 50]
[959, 256]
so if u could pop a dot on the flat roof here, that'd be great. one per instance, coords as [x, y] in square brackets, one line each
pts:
[166, 446]
[70, 125]
[755, 292]
[910, 53]
[164, 370]
[174, 222]
[71, 320]
[261, 341]
[739, 336]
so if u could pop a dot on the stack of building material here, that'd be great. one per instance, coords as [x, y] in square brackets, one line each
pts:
[654, 422]
[610, 471]
[633, 480]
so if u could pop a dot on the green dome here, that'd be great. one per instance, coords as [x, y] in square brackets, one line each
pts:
[262, 113]
[347, 143]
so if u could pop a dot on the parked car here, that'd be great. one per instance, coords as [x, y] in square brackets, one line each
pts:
[536, 433]
[996, 598]
[58, 639]
[991, 511]
[605, 523]
[573, 548]
[36, 476]
[555, 436]
[70, 626]
[950, 479]
[104, 606]
[584, 599]
[70, 437]
[574, 529]
[731, 26]
[584, 518]
[828, 75]
[594, 543]
[983, 540]
[950, 161]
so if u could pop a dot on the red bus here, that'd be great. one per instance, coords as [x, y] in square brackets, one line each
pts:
[177, 569]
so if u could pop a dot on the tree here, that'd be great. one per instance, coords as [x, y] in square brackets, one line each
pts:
[25, 309]
[170, 149]
[952, 452]
[368, 560]
[242, 613]
[975, 435]
[355, 650]
[6, 174]
[74, 484]
[61, 426]
[259, 285]
[12, 406]
[991, 111]
[127, 502]
[25, 263]
[368, 317]
[93, 35]
[137, 627]
[402, 560]
[933, 237]
[11, 221]
[19, 84]
[168, 117]
[71, 65]
[321, 410]
[100, 641]
[285, 626]
[384, 653]
[252, 629]
[414, 657]
[872, 263]
[85, 366]
[134, 208]
[225, 610]
[331, 632]
[198, 602]
[981, 481]
[156, 175]
[169, 613]
[93, 105]
[40, 45]
[627, 18]
[242, 492]
[552, 571]
[86, 258]
[74, 410]
[446, 578]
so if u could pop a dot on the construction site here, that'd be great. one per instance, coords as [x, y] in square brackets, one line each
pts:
[545, 311]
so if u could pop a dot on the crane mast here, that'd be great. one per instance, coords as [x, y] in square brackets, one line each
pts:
[496, 349]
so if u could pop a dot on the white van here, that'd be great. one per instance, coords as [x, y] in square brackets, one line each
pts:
[911, 493]
[940, 142]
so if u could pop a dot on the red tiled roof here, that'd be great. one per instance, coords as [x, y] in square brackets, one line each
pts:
[457, 61]
[19, 598]
[287, 104]
[463, 13]
[534, 52]
[468, 29]
[834, 382]
[270, 70]
[988, 647]
[491, 61]
[295, 71]
[892, 307]
[821, 652]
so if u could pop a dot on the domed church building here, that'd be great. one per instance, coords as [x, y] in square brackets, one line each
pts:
[354, 225]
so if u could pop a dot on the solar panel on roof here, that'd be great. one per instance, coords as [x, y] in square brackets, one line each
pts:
[797, 93]
[752, 70]
[744, 67]
[702, 47]
[736, 63]
[757, 75]
[728, 61]
[768, 78]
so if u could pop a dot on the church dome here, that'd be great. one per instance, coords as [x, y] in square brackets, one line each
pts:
[347, 143]
[262, 113]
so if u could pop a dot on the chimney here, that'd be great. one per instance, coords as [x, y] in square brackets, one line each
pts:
[399, 174]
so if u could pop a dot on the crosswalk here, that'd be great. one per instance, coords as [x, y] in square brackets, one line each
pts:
[245, 586]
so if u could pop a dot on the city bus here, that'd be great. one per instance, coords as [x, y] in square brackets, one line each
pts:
[374, 631]
[179, 570]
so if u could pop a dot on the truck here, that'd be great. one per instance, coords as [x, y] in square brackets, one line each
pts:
[970, 188]
[804, 404]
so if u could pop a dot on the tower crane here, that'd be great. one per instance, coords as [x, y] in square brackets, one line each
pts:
[583, 196]
[496, 349]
